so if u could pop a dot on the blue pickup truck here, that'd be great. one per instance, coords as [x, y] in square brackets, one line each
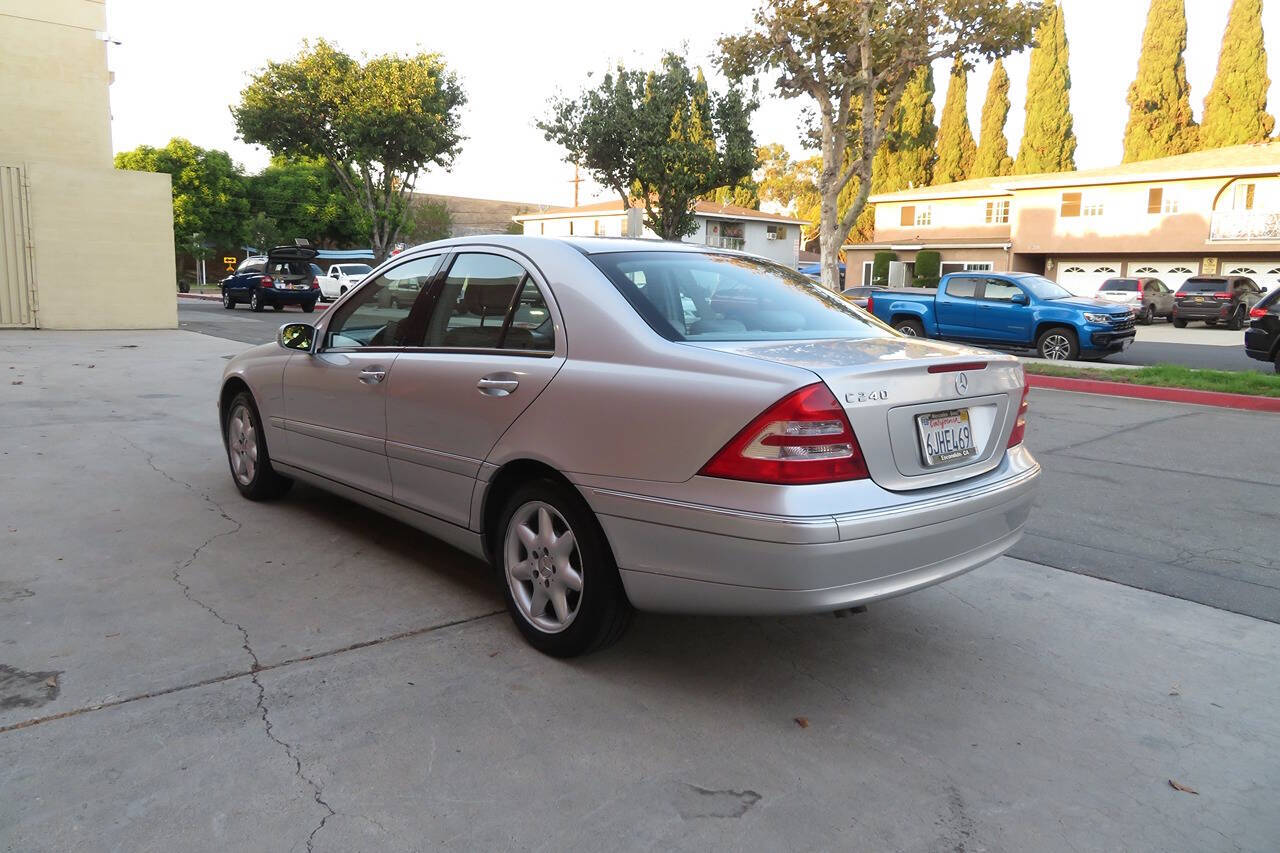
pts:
[1009, 310]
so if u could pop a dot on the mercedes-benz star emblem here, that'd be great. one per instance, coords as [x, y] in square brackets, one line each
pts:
[962, 383]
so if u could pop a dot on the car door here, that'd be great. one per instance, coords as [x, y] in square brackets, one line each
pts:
[1000, 318]
[1160, 297]
[954, 310]
[335, 412]
[493, 342]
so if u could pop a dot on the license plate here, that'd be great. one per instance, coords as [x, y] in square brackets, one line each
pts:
[945, 437]
[1199, 299]
[298, 286]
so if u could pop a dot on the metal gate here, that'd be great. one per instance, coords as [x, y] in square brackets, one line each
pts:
[17, 279]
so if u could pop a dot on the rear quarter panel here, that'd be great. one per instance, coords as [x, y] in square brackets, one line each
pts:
[896, 304]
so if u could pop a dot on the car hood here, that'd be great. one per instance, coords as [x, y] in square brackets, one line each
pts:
[1087, 303]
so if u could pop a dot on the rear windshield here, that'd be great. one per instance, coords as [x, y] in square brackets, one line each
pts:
[1129, 285]
[1204, 285]
[693, 296]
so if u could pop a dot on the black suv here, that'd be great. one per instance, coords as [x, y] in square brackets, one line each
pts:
[1214, 298]
[1262, 338]
[285, 276]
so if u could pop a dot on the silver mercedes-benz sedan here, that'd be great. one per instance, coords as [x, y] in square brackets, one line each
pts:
[619, 424]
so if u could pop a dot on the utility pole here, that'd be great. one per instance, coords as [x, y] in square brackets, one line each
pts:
[576, 181]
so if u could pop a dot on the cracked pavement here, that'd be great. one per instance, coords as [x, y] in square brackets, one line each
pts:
[309, 676]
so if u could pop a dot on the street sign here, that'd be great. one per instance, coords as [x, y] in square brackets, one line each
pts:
[229, 263]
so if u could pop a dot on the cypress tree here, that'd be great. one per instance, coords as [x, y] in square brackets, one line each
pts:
[956, 149]
[1048, 140]
[1235, 112]
[993, 158]
[906, 156]
[1160, 121]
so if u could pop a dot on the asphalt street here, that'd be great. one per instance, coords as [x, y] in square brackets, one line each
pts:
[1161, 343]
[184, 670]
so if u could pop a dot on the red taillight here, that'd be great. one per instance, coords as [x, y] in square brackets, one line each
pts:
[1020, 425]
[267, 281]
[1222, 296]
[803, 438]
[315, 283]
[955, 368]
[1179, 295]
[871, 302]
[1257, 312]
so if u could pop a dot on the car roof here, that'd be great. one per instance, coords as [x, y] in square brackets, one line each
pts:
[585, 245]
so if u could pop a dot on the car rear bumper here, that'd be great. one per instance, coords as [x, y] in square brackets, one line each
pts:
[686, 558]
[271, 296]
[1199, 312]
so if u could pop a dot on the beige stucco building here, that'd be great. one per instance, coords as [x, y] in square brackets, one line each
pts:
[1202, 213]
[82, 245]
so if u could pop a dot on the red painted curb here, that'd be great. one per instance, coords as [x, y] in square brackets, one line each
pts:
[1152, 392]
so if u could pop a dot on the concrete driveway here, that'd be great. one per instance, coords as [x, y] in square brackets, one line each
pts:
[184, 670]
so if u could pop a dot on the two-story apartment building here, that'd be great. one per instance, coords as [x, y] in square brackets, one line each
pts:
[726, 226]
[1206, 212]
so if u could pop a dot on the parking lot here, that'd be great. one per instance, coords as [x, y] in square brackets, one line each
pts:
[183, 670]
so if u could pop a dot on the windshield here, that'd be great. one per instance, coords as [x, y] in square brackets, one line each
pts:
[356, 269]
[691, 296]
[1042, 288]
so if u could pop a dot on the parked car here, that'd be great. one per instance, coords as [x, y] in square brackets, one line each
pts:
[1009, 310]
[555, 407]
[1214, 299]
[340, 278]
[1148, 298]
[859, 295]
[1262, 338]
[284, 276]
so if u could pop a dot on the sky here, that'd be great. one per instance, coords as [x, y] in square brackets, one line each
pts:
[181, 64]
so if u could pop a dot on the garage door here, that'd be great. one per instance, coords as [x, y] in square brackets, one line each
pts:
[1173, 275]
[1264, 273]
[1084, 277]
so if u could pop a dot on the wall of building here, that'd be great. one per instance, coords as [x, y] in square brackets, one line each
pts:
[603, 225]
[957, 218]
[103, 248]
[54, 82]
[856, 259]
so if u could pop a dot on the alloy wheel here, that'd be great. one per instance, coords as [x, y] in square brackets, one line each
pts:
[242, 445]
[226, 300]
[543, 566]
[909, 331]
[1056, 347]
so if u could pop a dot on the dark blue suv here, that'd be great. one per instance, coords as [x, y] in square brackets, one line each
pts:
[285, 276]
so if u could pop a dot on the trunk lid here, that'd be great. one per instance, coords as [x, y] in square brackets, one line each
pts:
[886, 385]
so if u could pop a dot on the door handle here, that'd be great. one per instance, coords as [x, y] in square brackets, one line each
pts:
[498, 384]
[372, 375]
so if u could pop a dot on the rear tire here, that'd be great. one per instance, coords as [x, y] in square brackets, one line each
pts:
[1211, 322]
[1148, 316]
[910, 328]
[246, 445]
[1236, 323]
[277, 307]
[547, 541]
[1058, 344]
[308, 307]
[1179, 324]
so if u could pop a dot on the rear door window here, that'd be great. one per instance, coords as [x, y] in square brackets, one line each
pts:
[964, 287]
[490, 302]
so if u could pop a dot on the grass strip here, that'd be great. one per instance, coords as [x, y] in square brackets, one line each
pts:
[1171, 376]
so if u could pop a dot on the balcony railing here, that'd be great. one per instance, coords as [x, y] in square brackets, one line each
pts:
[737, 243]
[1245, 225]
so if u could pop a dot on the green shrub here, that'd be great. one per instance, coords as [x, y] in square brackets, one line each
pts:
[928, 269]
[880, 267]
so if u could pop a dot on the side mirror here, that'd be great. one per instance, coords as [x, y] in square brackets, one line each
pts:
[299, 336]
[1019, 299]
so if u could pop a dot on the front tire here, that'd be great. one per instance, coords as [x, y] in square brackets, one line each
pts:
[557, 572]
[1058, 344]
[1236, 323]
[255, 302]
[227, 301]
[247, 454]
[910, 328]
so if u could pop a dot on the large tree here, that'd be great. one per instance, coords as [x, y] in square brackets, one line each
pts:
[956, 148]
[1235, 111]
[992, 159]
[1048, 137]
[1160, 120]
[379, 123]
[793, 184]
[210, 203]
[305, 199]
[661, 138]
[843, 53]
